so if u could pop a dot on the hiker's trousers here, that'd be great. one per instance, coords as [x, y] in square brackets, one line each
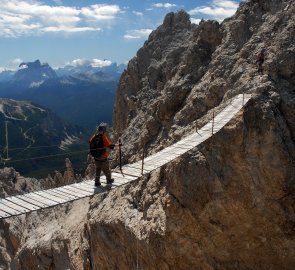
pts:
[102, 165]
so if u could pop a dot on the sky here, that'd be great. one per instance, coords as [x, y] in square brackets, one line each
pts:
[72, 32]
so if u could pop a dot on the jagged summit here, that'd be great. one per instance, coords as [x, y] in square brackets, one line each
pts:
[180, 19]
[33, 74]
[179, 74]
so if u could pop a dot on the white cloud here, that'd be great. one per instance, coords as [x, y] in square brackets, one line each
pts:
[69, 29]
[219, 9]
[137, 34]
[17, 61]
[195, 21]
[93, 62]
[137, 13]
[30, 17]
[101, 12]
[164, 5]
[101, 63]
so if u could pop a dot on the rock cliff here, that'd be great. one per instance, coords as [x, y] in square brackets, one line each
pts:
[12, 183]
[184, 70]
[228, 204]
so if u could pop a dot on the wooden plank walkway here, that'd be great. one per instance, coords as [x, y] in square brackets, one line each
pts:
[21, 204]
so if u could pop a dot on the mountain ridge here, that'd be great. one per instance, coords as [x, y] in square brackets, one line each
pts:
[81, 96]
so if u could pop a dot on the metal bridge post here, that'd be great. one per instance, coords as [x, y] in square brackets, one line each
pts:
[142, 162]
[120, 154]
[213, 122]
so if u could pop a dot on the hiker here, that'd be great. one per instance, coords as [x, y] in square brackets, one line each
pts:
[99, 144]
[260, 60]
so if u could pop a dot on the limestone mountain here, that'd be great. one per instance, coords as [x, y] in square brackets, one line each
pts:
[33, 74]
[184, 70]
[228, 203]
[35, 131]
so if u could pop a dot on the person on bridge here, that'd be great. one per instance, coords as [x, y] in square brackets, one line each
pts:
[99, 145]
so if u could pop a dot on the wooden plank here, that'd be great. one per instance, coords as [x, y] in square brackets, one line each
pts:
[32, 201]
[132, 168]
[154, 165]
[157, 161]
[92, 187]
[184, 148]
[57, 191]
[121, 180]
[133, 172]
[79, 192]
[161, 157]
[49, 196]
[89, 183]
[175, 153]
[14, 206]
[4, 214]
[72, 193]
[65, 197]
[162, 160]
[182, 145]
[127, 177]
[127, 172]
[138, 167]
[124, 176]
[9, 210]
[23, 203]
[40, 199]
[84, 188]
[96, 189]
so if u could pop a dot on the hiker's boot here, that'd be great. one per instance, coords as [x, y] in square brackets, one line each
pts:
[110, 181]
[97, 184]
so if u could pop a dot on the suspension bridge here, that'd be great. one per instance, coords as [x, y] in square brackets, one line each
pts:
[34, 201]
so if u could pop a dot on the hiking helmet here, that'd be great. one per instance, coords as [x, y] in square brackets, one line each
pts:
[102, 127]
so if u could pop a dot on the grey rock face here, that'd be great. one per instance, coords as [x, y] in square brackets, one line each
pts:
[184, 70]
[12, 183]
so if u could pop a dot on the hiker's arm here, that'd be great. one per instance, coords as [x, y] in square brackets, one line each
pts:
[108, 143]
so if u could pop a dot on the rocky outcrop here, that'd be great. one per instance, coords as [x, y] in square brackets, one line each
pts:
[12, 183]
[227, 204]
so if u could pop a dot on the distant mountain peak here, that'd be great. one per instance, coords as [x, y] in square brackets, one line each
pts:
[35, 64]
[33, 72]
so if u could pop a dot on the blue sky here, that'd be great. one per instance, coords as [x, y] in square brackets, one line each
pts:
[61, 32]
